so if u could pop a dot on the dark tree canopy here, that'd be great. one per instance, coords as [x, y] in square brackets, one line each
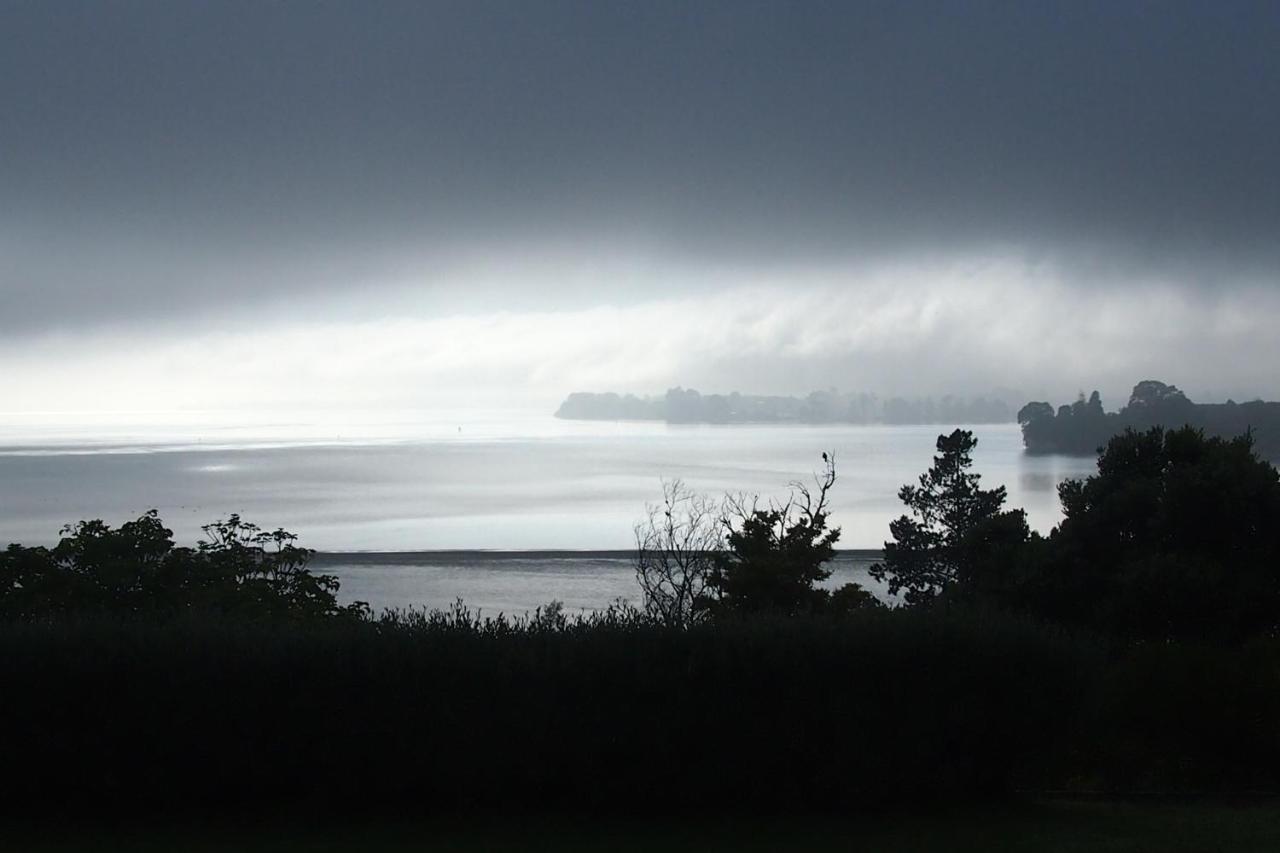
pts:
[953, 529]
[774, 564]
[775, 557]
[1034, 411]
[1175, 537]
[136, 570]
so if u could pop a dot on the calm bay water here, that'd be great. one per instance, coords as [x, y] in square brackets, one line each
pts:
[496, 481]
[515, 582]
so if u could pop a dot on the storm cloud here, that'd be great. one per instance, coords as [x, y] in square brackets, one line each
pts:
[204, 169]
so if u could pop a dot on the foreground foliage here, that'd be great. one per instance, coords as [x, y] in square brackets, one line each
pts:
[433, 712]
[1132, 649]
[1176, 538]
[1042, 826]
[444, 710]
[238, 571]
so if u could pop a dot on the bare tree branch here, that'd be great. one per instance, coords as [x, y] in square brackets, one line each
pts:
[676, 545]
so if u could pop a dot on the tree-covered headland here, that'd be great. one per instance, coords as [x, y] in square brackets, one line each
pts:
[1083, 427]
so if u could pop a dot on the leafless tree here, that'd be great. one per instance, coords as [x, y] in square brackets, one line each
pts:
[676, 544]
[805, 505]
[810, 502]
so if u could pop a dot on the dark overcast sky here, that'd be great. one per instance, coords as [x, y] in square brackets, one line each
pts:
[177, 157]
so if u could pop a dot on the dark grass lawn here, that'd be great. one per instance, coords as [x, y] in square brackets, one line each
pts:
[1045, 827]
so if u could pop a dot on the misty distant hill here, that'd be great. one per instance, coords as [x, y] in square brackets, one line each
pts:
[1083, 426]
[687, 406]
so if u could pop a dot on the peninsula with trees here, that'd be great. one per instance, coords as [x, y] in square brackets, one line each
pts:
[1083, 427]
[687, 406]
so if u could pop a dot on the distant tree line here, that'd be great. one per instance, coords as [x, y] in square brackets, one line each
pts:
[1083, 427]
[687, 406]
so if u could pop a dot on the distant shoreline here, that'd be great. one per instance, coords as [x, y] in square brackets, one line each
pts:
[1083, 427]
[428, 556]
[831, 407]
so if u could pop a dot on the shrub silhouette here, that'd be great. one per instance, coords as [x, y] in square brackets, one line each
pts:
[238, 570]
[440, 711]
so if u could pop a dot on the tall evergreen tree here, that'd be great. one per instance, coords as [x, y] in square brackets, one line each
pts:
[952, 524]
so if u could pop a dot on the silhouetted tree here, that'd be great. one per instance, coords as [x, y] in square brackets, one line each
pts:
[1151, 393]
[270, 572]
[1034, 411]
[136, 570]
[775, 556]
[676, 548]
[1175, 537]
[954, 527]
[1082, 427]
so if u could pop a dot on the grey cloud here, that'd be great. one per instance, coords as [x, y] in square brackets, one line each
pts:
[182, 156]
